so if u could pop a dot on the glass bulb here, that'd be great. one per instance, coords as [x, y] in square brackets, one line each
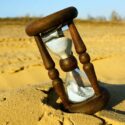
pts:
[77, 86]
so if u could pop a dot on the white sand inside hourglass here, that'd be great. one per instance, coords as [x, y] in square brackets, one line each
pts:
[78, 94]
[76, 91]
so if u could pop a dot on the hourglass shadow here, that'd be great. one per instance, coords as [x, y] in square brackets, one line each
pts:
[51, 100]
[117, 95]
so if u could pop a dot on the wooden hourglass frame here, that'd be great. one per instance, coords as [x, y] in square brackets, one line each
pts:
[49, 24]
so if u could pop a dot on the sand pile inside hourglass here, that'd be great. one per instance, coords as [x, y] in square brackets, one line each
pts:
[76, 91]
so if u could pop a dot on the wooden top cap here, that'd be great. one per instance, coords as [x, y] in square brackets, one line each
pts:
[52, 21]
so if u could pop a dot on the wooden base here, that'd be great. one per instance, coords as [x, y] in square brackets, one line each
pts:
[92, 105]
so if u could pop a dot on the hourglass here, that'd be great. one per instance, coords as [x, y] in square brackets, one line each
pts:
[80, 91]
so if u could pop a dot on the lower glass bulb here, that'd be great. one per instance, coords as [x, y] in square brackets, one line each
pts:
[78, 86]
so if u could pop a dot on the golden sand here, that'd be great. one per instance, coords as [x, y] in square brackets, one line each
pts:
[23, 77]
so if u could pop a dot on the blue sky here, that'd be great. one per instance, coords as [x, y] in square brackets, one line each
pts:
[14, 8]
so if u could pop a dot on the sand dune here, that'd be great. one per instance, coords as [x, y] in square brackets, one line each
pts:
[23, 77]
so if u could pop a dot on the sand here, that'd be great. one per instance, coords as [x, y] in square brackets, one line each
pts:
[24, 84]
[31, 105]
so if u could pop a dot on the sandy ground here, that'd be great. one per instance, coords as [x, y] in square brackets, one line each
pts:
[23, 77]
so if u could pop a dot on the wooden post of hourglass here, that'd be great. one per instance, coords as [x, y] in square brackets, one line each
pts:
[52, 71]
[84, 57]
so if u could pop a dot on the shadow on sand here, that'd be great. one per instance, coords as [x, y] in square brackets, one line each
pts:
[116, 91]
[117, 95]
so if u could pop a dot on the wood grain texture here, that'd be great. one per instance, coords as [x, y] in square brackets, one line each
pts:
[68, 64]
[52, 21]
